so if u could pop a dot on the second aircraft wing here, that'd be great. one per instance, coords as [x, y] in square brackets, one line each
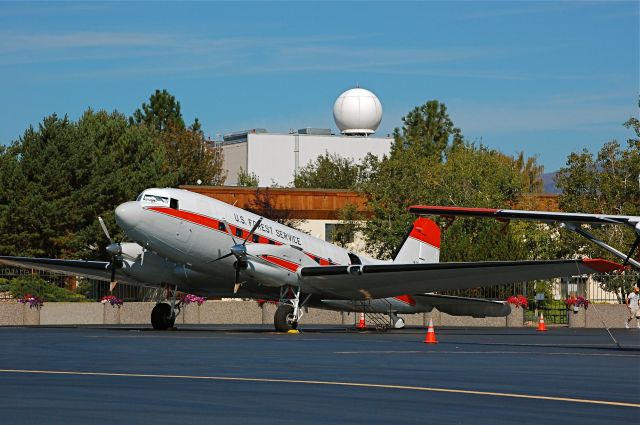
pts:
[388, 280]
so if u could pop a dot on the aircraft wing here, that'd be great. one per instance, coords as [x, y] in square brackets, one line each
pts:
[543, 216]
[98, 270]
[388, 280]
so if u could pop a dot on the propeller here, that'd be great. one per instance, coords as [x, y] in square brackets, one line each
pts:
[114, 249]
[238, 250]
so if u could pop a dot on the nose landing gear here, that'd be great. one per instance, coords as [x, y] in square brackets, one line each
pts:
[163, 315]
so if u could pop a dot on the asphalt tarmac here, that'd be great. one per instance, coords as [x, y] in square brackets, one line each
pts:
[247, 375]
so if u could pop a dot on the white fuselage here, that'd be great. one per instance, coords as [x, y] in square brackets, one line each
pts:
[182, 234]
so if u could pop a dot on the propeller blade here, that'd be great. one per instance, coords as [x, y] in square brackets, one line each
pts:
[255, 226]
[113, 283]
[223, 257]
[237, 283]
[104, 229]
[228, 229]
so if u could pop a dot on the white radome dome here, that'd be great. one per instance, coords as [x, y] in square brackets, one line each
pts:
[357, 111]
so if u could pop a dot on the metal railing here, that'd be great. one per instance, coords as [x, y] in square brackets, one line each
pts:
[88, 289]
[602, 288]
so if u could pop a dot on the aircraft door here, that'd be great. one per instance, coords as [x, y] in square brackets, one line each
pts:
[184, 230]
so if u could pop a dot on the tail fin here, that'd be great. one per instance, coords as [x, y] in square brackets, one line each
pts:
[421, 244]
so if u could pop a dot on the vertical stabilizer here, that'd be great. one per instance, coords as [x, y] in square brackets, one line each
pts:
[421, 244]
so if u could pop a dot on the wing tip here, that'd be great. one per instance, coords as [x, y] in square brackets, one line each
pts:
[602, 266]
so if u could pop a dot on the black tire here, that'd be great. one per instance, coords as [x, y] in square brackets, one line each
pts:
[161, 317]
[282, 318]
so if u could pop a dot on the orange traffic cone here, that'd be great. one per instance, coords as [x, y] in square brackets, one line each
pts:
[362, 325]
[541, 325]
[430, 338]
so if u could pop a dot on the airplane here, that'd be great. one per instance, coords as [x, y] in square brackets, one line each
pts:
[195, 244]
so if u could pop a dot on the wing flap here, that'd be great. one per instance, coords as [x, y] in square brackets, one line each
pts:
[388, 280]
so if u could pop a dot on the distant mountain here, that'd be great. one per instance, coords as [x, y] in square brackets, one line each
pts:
[549, 183]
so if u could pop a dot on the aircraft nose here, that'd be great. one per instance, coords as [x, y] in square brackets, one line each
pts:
[128, 215]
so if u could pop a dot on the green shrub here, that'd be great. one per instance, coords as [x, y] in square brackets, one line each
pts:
[39, 287]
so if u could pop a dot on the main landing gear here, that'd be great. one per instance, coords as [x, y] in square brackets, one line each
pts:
[290, 310]
[163, 315]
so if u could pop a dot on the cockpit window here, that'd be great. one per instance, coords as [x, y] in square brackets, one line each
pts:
[155, 199]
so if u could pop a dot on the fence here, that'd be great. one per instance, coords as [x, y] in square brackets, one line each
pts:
[91, 289]
[603, 288]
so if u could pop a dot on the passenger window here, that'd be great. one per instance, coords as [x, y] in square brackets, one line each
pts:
[255, 238]
[238, 232]
[272, 242]
[222, 227]
[173, 203]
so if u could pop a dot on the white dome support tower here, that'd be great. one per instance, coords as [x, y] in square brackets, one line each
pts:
[357, 112]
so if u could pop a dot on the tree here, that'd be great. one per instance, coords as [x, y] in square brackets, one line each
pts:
[427, 131]
[350, 224]
[328, 171]
[37, 286]
[431, 164]
[56, 180]
[161, 113]
[247, 179]
[607, 183]
[530, 172]
[190, 158]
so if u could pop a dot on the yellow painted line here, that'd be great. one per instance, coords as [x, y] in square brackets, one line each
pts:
[328, 383]
[537, 353]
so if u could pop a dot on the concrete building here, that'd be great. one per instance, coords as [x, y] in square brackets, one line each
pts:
[275, 158]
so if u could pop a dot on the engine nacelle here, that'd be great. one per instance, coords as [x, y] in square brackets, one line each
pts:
[269, 275]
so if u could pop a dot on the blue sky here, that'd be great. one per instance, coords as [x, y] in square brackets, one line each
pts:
[547, 78]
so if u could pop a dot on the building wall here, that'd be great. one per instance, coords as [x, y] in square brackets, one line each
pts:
[274, 158]
[235, 157]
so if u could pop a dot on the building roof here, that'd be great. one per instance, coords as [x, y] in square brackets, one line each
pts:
[325, 204]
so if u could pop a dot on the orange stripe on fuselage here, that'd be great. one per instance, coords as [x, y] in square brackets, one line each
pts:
[289, 265]
[212, 223]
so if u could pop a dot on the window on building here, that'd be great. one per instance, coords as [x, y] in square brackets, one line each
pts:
[335, 231]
